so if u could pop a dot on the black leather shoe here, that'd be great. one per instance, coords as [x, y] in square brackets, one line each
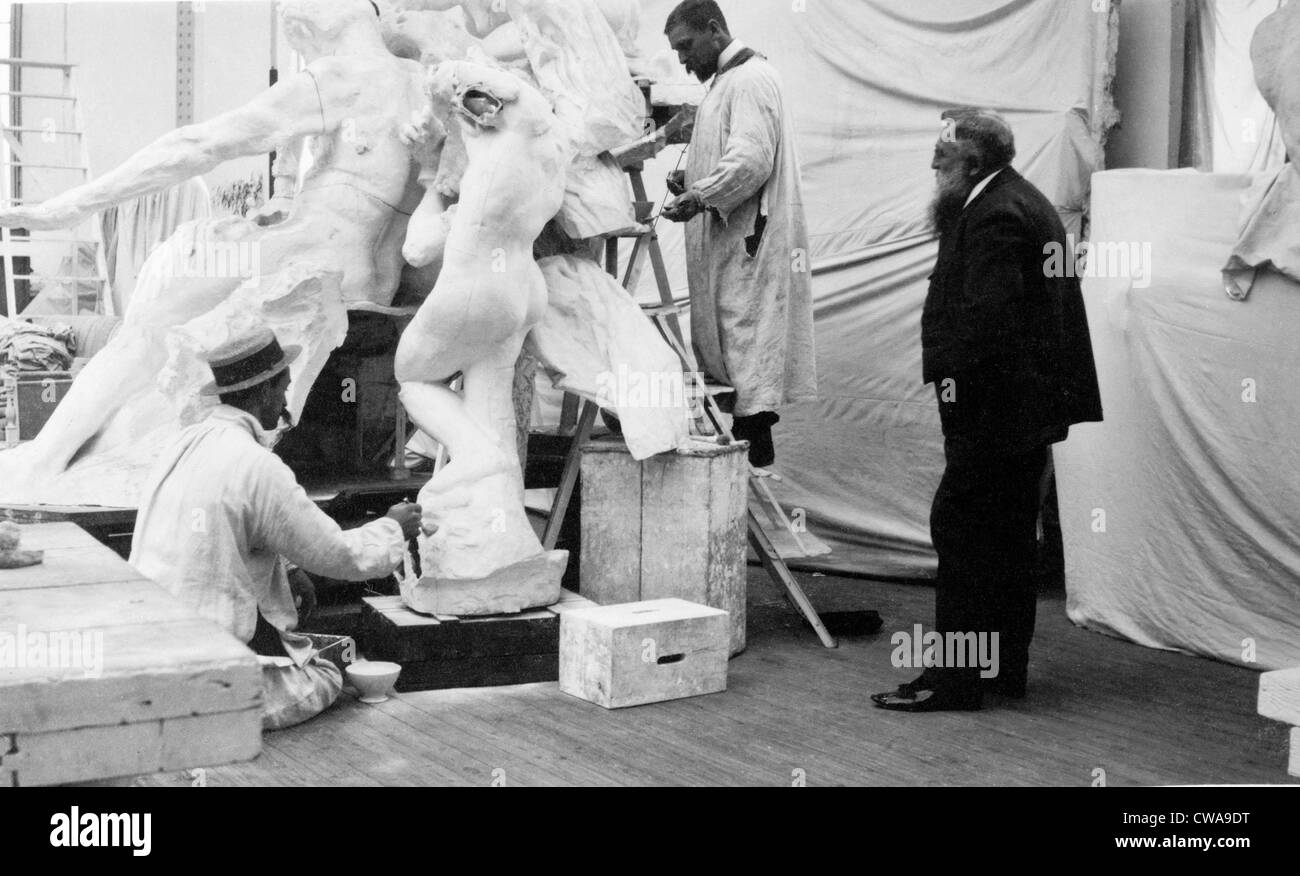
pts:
[928, 700]
[907, 689]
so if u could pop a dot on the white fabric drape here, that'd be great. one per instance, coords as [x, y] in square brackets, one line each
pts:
[134, 229]
[1179, 512]
[1230, 127]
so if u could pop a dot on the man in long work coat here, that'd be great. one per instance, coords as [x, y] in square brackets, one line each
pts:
[746, 241]
[1005, 342]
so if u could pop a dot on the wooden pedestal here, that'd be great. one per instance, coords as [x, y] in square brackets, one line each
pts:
[670, 526]
[444, 652]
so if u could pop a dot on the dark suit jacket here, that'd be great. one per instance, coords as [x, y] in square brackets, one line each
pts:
[1006, 346]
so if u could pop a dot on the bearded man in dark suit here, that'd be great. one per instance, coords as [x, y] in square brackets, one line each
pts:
[1006, 345]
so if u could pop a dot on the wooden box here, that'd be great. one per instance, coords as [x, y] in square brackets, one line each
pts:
[671, 526]
[643, 652]
[437, 652]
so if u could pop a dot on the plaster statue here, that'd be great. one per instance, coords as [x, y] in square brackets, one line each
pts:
[493, 140]
[570, 51]
[493, 144]
[347, 222]
[1272, 210]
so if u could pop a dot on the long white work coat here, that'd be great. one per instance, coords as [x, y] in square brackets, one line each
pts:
[751, 300]
[220, 514]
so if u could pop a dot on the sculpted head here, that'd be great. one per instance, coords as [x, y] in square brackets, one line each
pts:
[318, 24]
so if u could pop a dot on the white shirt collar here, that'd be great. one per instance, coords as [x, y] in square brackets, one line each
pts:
[979, 187]
[240, 417]
[731, 51]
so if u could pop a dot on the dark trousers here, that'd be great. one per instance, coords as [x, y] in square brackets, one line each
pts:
[757, 430]
[984, 526]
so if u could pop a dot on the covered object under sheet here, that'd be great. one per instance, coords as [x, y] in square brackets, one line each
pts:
[867, 80]
[1181, 512]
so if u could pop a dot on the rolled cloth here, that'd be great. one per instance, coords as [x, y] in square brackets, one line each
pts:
[28, 347]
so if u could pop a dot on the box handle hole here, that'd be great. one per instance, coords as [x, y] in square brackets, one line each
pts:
[671, 658]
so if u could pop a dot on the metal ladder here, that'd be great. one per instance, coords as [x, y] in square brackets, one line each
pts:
[15, 174]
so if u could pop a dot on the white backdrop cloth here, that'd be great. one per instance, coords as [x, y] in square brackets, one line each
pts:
[1196, 468]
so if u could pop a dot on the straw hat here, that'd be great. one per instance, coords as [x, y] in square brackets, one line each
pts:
[247, 360]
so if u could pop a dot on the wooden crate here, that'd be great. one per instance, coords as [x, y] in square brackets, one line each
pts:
[139, 683]
[643, 652]
[671, 526]
[438, 652]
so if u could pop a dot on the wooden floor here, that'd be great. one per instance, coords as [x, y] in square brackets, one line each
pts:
[796, 710]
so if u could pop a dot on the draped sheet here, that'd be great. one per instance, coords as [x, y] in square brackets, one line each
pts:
[1179, 512]
[1227, 126]
[133, 230]
[867, 80]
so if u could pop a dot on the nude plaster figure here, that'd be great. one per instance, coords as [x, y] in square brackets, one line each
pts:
[492, 141]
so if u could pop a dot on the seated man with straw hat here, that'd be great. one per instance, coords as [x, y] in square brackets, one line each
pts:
[221, 516]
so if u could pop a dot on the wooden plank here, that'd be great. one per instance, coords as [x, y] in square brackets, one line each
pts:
[674, 558]
[69, 567]
[726, 576]
[569, 601]
[88, 516]
[89, 606]
[149, 671]
[1279, 695]
[610, 567]
[47, 536]
[695, 550]
[404, 636]
[479, 671]
[90, 753]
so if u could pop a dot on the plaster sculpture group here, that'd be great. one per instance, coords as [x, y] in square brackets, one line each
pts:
[443, 139]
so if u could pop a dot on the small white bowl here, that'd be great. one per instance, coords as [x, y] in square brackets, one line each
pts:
[374, 679]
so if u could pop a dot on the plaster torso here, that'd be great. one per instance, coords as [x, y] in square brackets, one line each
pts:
[513, 184]
[360, 189]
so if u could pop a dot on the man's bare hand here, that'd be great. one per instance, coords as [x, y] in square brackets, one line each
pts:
[676, 182]
[687, 207]
[304, 593]
[407, 515]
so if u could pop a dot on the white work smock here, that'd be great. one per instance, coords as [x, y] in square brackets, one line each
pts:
[220, 514]
[751, 288]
